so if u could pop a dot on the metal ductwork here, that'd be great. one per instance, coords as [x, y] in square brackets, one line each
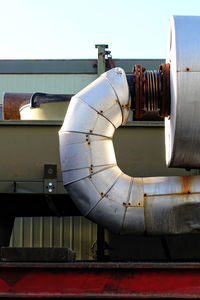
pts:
[102, 192]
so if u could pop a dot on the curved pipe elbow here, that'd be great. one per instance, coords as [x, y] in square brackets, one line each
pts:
[90, 172]
[102, 192]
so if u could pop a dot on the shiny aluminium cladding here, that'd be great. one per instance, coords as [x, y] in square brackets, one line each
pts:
[102, 192]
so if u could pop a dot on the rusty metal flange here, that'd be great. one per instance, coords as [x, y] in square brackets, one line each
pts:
[138, 71]
[165, 90]
[152, 92]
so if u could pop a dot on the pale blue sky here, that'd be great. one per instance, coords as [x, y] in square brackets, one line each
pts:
[56, 29]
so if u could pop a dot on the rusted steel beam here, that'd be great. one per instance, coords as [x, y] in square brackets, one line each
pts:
[103, 280]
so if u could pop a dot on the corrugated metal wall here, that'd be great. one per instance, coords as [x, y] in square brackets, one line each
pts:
[76, 233]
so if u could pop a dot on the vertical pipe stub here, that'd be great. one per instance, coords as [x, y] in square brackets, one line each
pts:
[101, 64]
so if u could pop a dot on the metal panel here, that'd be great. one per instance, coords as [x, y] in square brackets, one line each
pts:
[74, 66]
[47, 83]
[45, 66]
[76, 233]
[182, 128]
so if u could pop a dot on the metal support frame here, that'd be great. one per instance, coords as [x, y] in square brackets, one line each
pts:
[101, 65]
[101, 68]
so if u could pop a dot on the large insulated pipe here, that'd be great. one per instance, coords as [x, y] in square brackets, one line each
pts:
[182, 136]
[102, 192]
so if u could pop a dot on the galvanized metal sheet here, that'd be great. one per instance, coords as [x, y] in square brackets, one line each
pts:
[182, 135]
[161, 185]
[84, 194]
[134, 221]
[172, 214]
[75, 175]
[94, 121]
[184, 39]
[108, 192]
[120, 192]
[92, 154]
[171, 185]
[103, 180]
[101, 96]
[119, 83]
[98, 184]
[98, 151]
[137, 192]
[78, 174]
[109, 214]
[68, 138]
[71, 158]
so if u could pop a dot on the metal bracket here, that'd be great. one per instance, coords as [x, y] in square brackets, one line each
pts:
[101, 58]
[50, 178]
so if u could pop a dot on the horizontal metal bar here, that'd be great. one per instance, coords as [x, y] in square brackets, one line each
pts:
[103, 265]
[73, 66]
[99, 280]
[144, 124]
[31, 123]
[59, 123]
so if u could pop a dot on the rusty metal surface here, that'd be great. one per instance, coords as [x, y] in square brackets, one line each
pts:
[174, 199]
[109, 60]
[139, 79]
[12, 103]
[110, 280]
[165, 90]
[151, 93]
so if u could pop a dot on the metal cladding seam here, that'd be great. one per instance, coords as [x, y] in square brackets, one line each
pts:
[101, 191]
